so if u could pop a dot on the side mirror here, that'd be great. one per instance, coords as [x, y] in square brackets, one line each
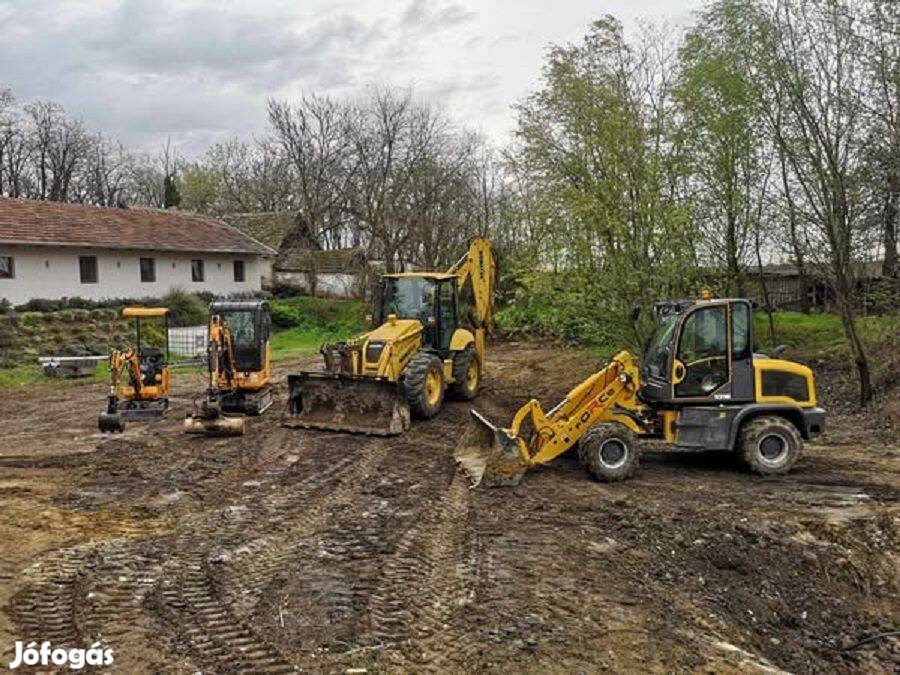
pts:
[678, 372]
[779, 350]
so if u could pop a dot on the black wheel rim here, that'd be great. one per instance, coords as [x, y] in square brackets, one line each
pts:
[613, 453]
[772, 448]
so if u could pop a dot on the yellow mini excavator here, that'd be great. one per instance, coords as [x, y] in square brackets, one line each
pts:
[138, 375]
[238, 367]
[373, 383]
[700, 387]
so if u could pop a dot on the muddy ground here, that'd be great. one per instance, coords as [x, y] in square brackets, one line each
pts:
[300, 550]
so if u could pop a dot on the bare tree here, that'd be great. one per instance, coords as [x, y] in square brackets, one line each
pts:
[810, 59]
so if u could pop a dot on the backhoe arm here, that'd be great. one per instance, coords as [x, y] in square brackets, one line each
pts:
[479, 268]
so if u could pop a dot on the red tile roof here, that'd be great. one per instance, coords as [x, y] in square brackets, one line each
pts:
[26, 221]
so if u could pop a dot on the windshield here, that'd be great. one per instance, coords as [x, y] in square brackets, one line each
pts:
[243, 332]
[659, 347]
[408, 298]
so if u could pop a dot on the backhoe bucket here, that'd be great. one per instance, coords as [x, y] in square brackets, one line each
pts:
[489, 454]
[341, 402]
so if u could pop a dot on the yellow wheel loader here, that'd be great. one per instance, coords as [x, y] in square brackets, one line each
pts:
[420, 351]
[238, 367]
[138, 375]
[700, 387]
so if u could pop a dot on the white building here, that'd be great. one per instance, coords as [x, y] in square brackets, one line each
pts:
[52, 250]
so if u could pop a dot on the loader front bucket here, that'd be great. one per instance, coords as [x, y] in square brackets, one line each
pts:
[340, 402]
[489, 454]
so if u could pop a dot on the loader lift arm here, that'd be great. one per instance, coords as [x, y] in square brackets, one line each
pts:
[536, 437]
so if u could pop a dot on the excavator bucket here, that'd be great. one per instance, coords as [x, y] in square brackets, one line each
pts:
[341, 402]
[110, 423]
[489, 454]
[214, 425]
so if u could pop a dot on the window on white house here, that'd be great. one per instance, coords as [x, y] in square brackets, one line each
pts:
[7, 267]
[239, 272]
[148, 270]
[197, 271]
[87, 269]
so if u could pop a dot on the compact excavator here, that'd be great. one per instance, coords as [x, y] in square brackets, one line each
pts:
[422, 348]
[700, 387]
[138, 375]
[238, 368]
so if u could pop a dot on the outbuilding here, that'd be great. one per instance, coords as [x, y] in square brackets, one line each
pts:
[54, 250]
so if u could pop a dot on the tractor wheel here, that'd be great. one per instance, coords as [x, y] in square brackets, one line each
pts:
[466, 373]
[609, 452]
[424, 385]
[770, 445]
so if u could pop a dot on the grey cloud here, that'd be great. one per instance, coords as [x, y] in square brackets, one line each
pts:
[419, 15]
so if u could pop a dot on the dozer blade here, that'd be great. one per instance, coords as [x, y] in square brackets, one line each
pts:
[489, 454]
[340, 402]
[216, 425]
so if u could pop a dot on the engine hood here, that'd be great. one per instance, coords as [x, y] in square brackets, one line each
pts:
[390, 331]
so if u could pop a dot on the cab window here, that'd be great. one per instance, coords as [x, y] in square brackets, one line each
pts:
[703, 349]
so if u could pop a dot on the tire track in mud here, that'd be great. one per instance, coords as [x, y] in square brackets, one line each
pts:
[425, 584]
[111, 588]
[214, 605]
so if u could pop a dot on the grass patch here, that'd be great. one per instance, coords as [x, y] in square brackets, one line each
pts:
[821, 334]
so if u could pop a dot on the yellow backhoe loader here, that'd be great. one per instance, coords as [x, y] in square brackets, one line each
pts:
[374, 383]
[700, 387]
[138, 375]
[238, 368]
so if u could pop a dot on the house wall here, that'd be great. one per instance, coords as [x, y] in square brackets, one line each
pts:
[328, 284]
[52, 272]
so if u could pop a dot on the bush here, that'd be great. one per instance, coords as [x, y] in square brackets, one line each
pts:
[185, 309]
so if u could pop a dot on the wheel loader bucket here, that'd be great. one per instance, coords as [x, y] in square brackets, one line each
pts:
[217, 425]
[489, 454]
[341, 402]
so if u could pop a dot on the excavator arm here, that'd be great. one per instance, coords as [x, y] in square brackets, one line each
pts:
[499, 456]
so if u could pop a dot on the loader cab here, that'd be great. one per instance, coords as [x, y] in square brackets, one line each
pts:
[700, 352]
[428, 298]
[250, 325]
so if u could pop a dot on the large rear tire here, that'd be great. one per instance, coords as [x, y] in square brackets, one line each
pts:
[770, 445]
[609, 452]
[466, 374]
[423, 385]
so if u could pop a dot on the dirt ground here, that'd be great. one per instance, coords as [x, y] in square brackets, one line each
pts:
[299, 550]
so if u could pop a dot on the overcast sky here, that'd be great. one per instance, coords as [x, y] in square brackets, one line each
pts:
[200, 71]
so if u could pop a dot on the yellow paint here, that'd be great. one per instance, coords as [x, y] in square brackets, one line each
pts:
[144, 312]
[461, 339]
[762, 365]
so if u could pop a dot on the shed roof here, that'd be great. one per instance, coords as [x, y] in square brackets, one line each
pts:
[26, 221]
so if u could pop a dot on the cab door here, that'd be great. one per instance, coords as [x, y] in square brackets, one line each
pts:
[701, 368]
[446, 318]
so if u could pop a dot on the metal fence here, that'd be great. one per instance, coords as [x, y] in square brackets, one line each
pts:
[187, 345]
